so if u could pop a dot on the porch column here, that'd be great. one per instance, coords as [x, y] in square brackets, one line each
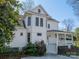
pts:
[72, 39]
[65, 38]
[57, 39]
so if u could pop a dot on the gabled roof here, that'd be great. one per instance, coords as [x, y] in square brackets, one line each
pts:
[48, 16]
[42, 9]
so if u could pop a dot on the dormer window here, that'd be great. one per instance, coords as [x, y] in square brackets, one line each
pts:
[39, 10]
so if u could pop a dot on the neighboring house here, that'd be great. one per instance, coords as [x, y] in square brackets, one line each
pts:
[38, 25]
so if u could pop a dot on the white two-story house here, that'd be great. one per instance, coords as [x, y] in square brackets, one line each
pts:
[37, 25]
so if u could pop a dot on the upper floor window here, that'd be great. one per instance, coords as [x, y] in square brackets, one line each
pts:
[29, 21]
[24, 24]
[41, 22]
[39, 10]
[48, 25]
[37, 21]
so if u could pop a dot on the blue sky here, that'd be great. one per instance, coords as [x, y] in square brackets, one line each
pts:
[58, 9]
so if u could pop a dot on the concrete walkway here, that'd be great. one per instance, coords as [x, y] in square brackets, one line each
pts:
[51, 57]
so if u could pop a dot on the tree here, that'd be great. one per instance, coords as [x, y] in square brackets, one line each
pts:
[27, 5]
[69, 24]
[9, 16]
[76, 34]
[75, 6]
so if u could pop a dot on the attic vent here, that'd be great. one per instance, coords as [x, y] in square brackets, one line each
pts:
[39, 10]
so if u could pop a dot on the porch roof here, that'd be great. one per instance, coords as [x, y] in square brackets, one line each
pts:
[58, 31]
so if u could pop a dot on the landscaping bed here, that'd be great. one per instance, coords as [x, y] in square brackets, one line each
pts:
[36, 49]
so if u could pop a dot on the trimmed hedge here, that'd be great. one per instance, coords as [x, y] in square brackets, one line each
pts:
[9, 51]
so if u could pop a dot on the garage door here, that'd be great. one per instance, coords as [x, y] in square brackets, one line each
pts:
[51, 48]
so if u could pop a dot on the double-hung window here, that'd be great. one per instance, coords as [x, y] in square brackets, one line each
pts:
[37, 21]
[29, 21]
[41, 22]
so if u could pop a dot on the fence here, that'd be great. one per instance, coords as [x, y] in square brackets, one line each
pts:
[64, 50]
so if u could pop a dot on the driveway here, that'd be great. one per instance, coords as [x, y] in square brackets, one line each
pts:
[51, 57]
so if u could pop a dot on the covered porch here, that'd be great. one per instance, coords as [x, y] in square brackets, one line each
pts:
[57, 38]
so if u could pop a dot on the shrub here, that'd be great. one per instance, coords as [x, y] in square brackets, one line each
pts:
[30, 49]
[9, 51]
[37, 49]
[41, 48]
